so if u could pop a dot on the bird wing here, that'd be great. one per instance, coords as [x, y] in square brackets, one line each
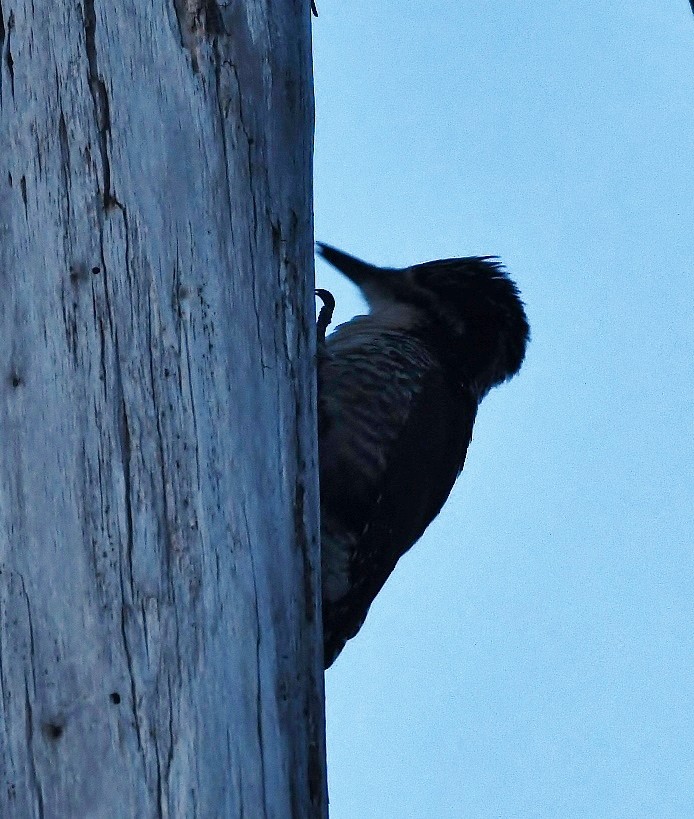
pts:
[396, 426]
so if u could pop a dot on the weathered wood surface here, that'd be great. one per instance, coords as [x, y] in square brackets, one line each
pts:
[159, 649]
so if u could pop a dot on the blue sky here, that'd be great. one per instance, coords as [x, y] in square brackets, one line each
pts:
[533, 655]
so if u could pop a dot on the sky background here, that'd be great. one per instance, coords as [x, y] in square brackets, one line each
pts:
[533, 655]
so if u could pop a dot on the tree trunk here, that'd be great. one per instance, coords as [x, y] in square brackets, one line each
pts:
[159, 575]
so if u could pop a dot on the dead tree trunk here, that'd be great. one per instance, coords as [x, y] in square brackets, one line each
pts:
[159, 594]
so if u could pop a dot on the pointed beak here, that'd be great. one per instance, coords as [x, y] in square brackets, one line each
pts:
[374, 282]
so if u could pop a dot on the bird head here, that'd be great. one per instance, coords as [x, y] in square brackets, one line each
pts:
[468, 308]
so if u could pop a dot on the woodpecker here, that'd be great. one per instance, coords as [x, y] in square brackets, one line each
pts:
[398, 391]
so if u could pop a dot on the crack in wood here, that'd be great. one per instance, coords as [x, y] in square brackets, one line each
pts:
[5, 42]
[197, 20]
[100, 98]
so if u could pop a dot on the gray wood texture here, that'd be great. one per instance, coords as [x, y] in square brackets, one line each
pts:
[159, 573]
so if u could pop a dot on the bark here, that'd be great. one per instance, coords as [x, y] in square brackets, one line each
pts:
[159, 575]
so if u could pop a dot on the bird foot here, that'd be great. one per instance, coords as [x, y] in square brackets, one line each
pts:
[325, 316]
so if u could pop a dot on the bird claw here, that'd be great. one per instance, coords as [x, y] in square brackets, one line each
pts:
[325, 316]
